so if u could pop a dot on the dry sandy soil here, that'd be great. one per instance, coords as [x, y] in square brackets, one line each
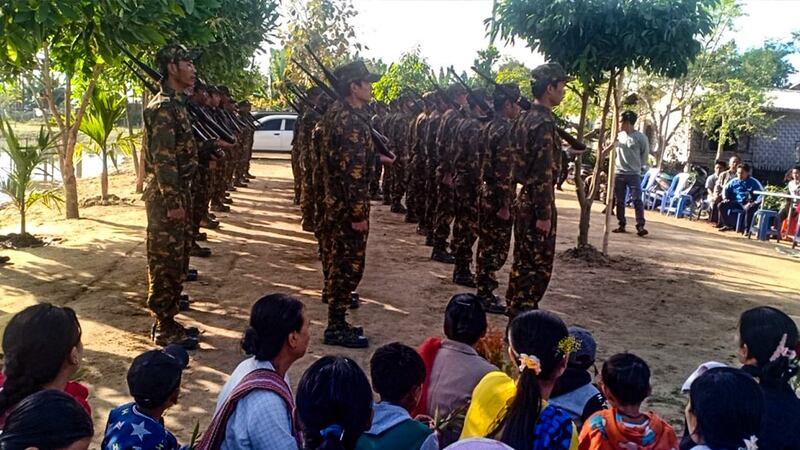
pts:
[673, 297]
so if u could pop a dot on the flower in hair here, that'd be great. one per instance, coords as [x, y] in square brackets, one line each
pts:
[530, 362]
[783, 351]
[334, 430]
[750, 444]
[568, 344]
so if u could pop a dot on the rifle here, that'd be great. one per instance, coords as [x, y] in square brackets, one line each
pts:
[442, 93]
[475, 97]
[195, 111]
[304, 99]
[570, 139]
[381, 142]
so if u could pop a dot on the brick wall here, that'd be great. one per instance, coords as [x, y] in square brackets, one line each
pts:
[776, 149]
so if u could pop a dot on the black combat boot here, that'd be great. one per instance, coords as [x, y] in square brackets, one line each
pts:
[492, 303]
[398, 208]
[169, 332]
[344, 335]
[464, 277]
[200, 252]
[441, 255]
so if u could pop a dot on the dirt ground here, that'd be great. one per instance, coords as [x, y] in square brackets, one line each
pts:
[673, 297]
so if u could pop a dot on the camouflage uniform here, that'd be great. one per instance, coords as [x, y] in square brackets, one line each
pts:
[445, 198]
[535, 167]
[348, 148]
[348, 152]
[302, 140]
[415, 200]
[497, 191]
[297, 167]
[170, 163]
[431, 183]
[400, 134]
[388, 172]
[467, 177]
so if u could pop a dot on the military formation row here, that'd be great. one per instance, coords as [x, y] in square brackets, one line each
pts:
[458, 159]
[197, 148]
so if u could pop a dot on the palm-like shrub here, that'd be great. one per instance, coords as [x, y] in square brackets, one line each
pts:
[25, 159]
[105, 110]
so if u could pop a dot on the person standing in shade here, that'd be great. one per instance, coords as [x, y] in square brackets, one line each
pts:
[633, 148]
[535, 165]
[170, 162]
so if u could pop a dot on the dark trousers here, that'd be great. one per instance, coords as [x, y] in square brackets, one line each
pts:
[623, 182]
[729, 220]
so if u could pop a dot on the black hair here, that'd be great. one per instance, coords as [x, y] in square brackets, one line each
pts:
[721, 162]
[535, 333]
[48, 420]
[465, 319]
[395, 370]
[746, 167]
[539, 87]
[630, 117]
[344, 89]
[272, 318]
[762, 328]
[728, 405]
[36, 342]
[627, 377]
[797, 167]
[334, 403]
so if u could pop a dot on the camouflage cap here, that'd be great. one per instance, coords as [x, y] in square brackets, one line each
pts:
[172, 53]
[224, 90]
[355, 71]
[551, 72]
[506, 91]
[454, 90]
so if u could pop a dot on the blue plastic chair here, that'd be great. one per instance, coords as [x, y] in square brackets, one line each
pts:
[660, 196]
[739, 219]
[676, 189]
[649, 183]
[762, 225]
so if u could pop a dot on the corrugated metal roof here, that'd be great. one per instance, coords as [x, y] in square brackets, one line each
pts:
[784, 100]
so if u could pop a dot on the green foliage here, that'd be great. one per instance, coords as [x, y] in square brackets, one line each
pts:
[592, 37]
[485, 62]
[411, 71]
[326, 27]
[730, 109]
[105, 110]
[773, 203]
[19, 185]
[513, 71]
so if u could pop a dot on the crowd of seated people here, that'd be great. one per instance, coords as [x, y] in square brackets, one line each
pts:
[730, 194]
[553, 399]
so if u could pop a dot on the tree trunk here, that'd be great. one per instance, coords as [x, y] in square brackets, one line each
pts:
[68, 128]
[104, 176]
[612, 162]
[580, 187]
[22, 227]
[586, 206]
[723, 136]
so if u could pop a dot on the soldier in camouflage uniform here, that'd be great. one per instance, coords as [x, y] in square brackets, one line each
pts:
[206, 152]
[378, 123]
[244, 108]
[170, 164]
[445, 173]
[415, 195]
[536, 157]
[399, 137]
[305, 128]
[348, 153]
[496, 196]
[219, 183]
[387, 128]
[426, 223]
[466, 165]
